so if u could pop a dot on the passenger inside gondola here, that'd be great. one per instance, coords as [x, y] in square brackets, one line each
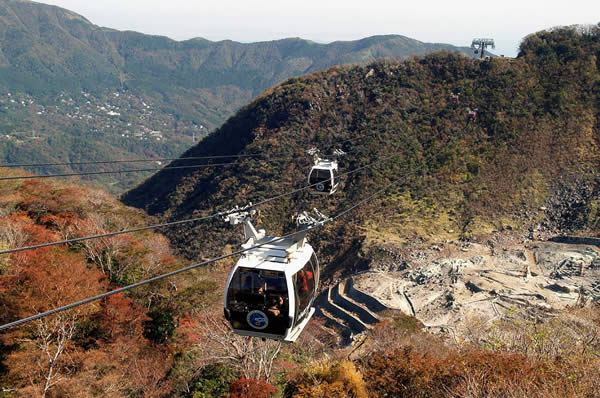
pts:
[304, 279]
[275, 305]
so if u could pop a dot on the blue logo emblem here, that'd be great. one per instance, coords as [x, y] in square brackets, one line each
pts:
[257, 319]
[320, 187]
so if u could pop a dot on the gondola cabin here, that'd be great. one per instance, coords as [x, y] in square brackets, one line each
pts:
[271, 289]
[323, 177]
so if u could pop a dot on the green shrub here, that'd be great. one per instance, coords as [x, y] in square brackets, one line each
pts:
[160, 327]
[212, 381]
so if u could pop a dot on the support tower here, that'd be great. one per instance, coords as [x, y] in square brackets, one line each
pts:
[479, 45]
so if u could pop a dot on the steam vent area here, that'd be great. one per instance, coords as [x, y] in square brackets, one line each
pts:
[447, 289]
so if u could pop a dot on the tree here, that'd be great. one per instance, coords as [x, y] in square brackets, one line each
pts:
[102, 251]
[213, 380]
[330, 379]
[50, 278]
[248, 388]
[160, 327]
[53, 337]
[214, 340]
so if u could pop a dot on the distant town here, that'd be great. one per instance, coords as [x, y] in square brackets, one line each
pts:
[115, 114]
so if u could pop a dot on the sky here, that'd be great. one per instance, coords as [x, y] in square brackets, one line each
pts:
[451, 21]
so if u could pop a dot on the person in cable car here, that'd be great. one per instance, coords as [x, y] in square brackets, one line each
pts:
[304, 277]
[271, 289]
[275, 306]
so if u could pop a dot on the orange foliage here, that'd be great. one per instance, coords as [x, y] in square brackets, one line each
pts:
[250, 388]
[406, 372]
[55, 277]
[332, 380]
[120, 317]
[94, 350]
[189, 330]
[59, 222]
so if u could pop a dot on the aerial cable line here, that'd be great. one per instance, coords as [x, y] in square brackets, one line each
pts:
[213, 260]
[189, 220]
[141, 283]
[11, 165]
[207, 157]
[339, 144]
[85, 173]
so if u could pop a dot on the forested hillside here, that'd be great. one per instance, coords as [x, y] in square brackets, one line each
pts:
[72, 90]
[120, 346]
[524, 168]
[529, 160]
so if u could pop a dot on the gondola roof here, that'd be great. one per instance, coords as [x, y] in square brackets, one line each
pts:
[326, 164]
[276, 256]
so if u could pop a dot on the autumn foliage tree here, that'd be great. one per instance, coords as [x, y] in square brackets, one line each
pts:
[329, 379]
[96, 349]
[249, 388]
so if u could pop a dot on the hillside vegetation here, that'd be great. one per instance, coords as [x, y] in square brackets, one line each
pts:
[118, 346]
[61, 75]
[528, 161]
[526, 166]
[169, 339]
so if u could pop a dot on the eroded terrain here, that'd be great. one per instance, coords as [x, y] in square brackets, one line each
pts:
[533, 280]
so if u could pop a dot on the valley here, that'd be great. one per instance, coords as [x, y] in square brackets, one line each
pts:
[85, 128]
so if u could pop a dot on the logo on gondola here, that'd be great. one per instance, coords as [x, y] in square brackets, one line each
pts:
[257, 319]
[320, 187]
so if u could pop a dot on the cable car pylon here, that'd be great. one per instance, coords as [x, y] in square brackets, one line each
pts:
[271, 289]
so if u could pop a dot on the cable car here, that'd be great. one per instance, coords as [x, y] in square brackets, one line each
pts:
[472, 115]
[455, 97]
[323, 175]
[271, 289]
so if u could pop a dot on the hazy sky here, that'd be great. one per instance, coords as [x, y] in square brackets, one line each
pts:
[450, 21]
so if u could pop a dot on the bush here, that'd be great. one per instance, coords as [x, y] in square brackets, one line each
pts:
[330, 379]
[250, 388]
[160, 327]
[212, 381]
[407, 372]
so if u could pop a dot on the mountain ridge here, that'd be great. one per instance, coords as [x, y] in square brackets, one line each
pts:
[192, 85]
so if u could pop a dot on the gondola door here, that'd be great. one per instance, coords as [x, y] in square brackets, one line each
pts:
[305, 286]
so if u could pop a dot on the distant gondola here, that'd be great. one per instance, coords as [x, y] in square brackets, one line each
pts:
[323, 177]
[271, 289]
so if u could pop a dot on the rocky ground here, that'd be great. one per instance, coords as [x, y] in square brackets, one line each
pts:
[445, 287]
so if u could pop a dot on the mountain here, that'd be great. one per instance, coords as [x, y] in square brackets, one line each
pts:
[88, 92]
[527, 163]
[525, 167]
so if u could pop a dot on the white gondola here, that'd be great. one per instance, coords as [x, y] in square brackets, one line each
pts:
[323, 177]
[271, 289]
